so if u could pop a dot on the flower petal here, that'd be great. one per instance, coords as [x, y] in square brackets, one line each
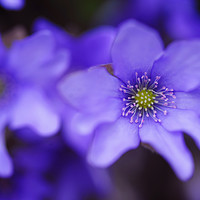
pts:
[171, 146]
[84, 124]
[51, 71]
[29, 54]
[90, 91]
[12, 5]
[94, 47]
[135, 48]
[111, 140]
[188, 100]
[183, 120]
[179, 66]
[33, 109]
[78, 142]
[63, 39]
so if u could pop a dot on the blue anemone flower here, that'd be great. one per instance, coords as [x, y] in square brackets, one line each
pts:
[152, 98]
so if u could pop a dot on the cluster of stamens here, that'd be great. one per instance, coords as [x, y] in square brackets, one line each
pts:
[144, 99]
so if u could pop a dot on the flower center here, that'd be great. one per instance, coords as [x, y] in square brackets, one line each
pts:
[144, 99]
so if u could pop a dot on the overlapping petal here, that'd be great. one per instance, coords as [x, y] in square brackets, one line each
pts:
[28, 55]
[62, 38]
[34, 110]
[93, 47]
[111, 140]
[84, 124]
[90, 49]
[51, 71]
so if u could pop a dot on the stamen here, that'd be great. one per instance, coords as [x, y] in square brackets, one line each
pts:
[142, 99]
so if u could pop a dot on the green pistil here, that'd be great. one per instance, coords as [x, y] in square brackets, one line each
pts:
[145, 99]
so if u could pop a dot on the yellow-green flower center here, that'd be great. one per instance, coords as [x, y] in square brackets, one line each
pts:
[145, 98]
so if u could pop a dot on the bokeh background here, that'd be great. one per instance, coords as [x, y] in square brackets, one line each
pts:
[139, 174]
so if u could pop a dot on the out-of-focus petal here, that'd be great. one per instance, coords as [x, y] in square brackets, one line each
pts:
[12, 4]
[28, 55]
[33, 110]
[135, 49]
[63, 39]
[53, 70]
[171, 146]
[85, 124]
[111, 140]
[94, 47]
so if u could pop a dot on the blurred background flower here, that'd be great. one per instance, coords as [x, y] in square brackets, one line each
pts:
[12, 4]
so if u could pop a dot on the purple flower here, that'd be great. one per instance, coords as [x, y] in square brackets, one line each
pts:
[12, 4]
[29, 70]
[153, 100]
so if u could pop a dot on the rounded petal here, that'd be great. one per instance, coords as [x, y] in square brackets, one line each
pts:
[63, 39]
[28, 55]
[12, 4]
[135, 49]
[33, 110]
[179, 66]
[51, 71]
[90, 91]
[84, 124]
[94, 47]
[78, 142]
[73, 135]
[183, 120]
[111, 140]
[171, 146]
[79, 127]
